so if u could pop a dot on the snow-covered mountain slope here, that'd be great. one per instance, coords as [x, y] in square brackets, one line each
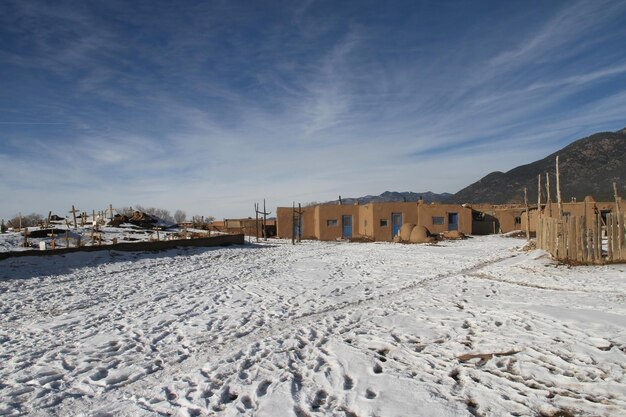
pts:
[462, 328]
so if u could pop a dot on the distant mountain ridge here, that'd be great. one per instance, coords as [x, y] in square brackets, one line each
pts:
[588, 166]
[395, 196]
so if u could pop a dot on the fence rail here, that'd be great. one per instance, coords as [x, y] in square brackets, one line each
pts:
[574, 239]
[222, 240]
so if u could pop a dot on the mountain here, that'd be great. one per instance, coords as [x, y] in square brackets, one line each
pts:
[588, 166]
[394, 196]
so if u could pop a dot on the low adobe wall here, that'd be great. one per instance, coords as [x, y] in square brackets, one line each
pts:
[223, 240]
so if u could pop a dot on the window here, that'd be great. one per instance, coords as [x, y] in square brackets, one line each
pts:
[437, 219]
[331, 223]
[605, 215]
[518, 220]
[384, 222]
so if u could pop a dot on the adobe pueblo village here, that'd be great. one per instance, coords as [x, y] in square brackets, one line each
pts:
[351, 307]
[193, 220]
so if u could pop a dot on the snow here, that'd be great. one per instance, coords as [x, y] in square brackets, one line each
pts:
[126, 233]
[464, 328]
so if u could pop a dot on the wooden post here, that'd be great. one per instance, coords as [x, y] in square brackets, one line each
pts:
[264, 220]
[558, 188]
[20, 224]
[256, 221]
[619, 225]
[597, 238]
[587, 248]
[538, 222]
[67, 239]
[52, 235]
[111, 210]
[539, 195]
[549, 197]
[617, 198]
[25, 244]
[527, 213]
[622, 236]
[610, 234]
[562, 239]
[73, 211]
[293, 223]
[580, 230]
[538, 232]
[299, 223]
[265, 213]
[573, 238]
[49, 219]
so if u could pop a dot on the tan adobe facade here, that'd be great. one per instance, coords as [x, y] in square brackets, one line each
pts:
[585, 209]
[373, 221]
[382, 221]
[490, 219]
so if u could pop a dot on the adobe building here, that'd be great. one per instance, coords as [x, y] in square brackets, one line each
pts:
[587, 209]
[372, 221]
[247, 226]
[503, 218]
[382, 221]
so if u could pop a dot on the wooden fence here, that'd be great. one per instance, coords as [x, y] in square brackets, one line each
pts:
[221, 240]
[570, 239]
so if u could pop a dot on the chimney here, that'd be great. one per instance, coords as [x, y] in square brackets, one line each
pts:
[339, 200]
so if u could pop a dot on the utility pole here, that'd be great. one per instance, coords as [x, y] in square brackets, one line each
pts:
[297, 219]
[265, 213]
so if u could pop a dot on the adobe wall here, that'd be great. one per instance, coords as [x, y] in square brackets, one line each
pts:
[504, 216]
[383, 211]
[324, 213]
[583, 209]
[426, 212]
[284, 222]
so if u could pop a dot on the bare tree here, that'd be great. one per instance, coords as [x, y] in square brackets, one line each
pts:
[125, 211]
[180, 216]
[29, 220]
[162, 214]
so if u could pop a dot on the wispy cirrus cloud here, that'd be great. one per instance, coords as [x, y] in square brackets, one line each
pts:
[210, 106]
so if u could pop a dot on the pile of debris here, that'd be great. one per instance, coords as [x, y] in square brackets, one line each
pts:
[118, 220]
[148, 221]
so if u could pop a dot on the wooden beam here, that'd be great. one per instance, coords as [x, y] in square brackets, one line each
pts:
[527, 213]
[558, 188]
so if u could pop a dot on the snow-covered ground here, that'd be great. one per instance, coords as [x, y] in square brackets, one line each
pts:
[126, 233]
[465, 328]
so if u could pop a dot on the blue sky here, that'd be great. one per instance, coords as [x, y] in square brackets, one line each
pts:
[210, 106]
